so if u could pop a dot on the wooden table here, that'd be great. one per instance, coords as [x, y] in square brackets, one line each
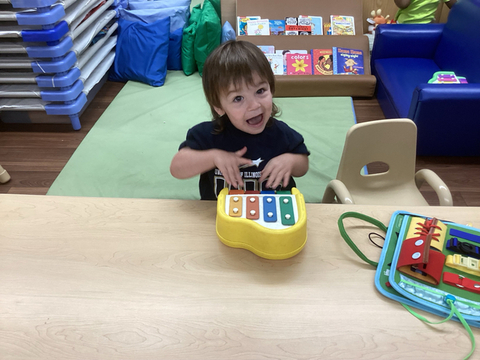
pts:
[98, 278]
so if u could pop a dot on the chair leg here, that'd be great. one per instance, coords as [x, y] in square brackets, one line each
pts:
[4, 176]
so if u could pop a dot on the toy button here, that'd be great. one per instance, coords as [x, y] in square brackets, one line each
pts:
[418, 242]
[416, 255]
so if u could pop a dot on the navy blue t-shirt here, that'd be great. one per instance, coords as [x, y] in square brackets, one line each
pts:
[275, 140]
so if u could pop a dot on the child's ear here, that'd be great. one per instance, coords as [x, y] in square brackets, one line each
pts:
[219, 111]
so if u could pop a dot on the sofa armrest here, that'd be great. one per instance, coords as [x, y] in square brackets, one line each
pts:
[406, 40]
[452, 96]
[447, 119]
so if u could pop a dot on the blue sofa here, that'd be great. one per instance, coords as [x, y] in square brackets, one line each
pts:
[405, 57]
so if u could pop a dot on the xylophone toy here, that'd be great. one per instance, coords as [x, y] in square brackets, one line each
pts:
[272, 225]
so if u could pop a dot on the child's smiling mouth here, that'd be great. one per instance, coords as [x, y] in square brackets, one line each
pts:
[255, 120]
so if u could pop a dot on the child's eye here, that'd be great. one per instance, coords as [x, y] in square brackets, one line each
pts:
[260, 91]
[238, 98]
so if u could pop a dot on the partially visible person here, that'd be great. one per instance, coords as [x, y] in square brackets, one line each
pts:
[418, 11]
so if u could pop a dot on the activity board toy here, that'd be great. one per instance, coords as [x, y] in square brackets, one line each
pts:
[271, 224]
[430, 264]
[447, 77]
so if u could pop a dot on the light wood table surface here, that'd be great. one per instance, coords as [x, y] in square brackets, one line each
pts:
[99, 278]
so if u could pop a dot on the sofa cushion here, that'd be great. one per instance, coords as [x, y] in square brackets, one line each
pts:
[400, 76]
[459, 48]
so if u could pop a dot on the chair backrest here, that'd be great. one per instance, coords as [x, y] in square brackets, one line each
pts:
[392, 142]
[459, 47]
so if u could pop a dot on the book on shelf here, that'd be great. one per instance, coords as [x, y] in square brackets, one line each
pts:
[342, 25]
[347, 61]
[299, 64]
[277, 27]
[315, 23]
[258, 27]
[276, 63]
[322, 61]
[267, 49]
[242, 28]
[284, 54]
[327, 28]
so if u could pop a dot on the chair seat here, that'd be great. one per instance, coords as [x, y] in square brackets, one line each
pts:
[401, 195]
[400, 76]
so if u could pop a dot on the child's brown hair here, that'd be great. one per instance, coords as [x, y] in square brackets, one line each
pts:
[234, 62]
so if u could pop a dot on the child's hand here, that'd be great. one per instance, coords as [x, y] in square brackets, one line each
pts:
[229, 162]
[279, 169]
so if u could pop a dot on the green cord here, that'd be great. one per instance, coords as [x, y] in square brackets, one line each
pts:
[349, 241]
[453, 311]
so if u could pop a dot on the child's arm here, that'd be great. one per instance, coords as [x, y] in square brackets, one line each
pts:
[188, 162]
[280, 168]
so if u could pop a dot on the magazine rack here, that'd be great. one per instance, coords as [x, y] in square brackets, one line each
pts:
[310, 85]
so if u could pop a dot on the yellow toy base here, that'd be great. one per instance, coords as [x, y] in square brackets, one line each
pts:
[276, 243]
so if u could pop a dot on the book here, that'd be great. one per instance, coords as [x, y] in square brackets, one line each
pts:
[342, 25]
[327, 28]
[267, 49]
[285, 52]
[322, 61]
[317, 25]
[347, 61]
[299, 64]
[276, 63]
[258, 27]
[242, 24]
[277, 27]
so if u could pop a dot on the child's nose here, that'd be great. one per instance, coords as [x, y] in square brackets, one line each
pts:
[253, 104]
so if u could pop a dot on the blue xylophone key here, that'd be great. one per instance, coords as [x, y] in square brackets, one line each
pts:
[269, 209]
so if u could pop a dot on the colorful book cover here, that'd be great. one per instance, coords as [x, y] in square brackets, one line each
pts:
[277, 27]
[242, 24]
[276, 63]
[285, 52]
[258, 27]
[342, 25]
[267, 49]
[347, 61]
[317, 25]
[327, 28]
[299, 64]
[322, 61]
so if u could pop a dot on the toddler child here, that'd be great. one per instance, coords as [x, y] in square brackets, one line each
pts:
[244, 146]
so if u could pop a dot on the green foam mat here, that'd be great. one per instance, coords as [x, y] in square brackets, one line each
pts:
[128, 151]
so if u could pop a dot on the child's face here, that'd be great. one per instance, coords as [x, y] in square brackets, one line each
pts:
[247, 107]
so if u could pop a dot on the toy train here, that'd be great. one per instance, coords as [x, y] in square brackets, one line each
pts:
[272, 225]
